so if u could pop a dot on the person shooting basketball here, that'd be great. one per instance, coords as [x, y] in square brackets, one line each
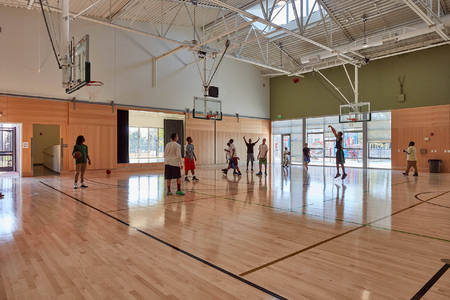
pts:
[340, 158]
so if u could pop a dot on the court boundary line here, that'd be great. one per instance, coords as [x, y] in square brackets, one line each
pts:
[429, 284]
[342, 234]
[199, 259]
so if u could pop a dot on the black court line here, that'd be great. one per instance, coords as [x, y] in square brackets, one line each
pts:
[157, 204]
[300, 251]
[432, 281]
[436, 204]
[341, 234]
[410, 233]
[243, 280]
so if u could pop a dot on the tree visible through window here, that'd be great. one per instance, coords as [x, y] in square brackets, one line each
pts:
[146, 143]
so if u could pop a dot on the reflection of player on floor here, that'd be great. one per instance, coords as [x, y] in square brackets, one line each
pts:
[286, 154]
[173, 163]
[250, 151]
[189, 160]
[80, 154]
[340, 159]
[306, 156]
[411, 159]
[262, 156]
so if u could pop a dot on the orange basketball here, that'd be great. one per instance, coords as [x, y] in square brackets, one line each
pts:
[108, 172]
[76, 155]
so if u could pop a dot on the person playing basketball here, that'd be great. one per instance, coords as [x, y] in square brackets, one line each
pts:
[250, 151]
[262, 156]
[233, 159]
[173, 164]
[80, 154]
[340, 159]
[306, 156]
[189, 160]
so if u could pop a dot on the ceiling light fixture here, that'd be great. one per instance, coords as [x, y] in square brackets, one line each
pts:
[364, 19]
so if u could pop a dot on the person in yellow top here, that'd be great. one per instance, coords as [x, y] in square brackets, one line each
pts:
[411, 159]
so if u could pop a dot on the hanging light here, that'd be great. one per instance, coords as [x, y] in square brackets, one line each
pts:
[364, 19]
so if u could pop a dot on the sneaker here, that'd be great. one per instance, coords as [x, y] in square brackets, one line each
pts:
[344, 176]
[406, 174]
[169, 193]
[415, 174]
[75, 186]
[337, 175]
[252, 170]
[195, 178]
[259, 173]
[180, 193]
[235, 173]
[83, 186]
[239, 173]
[186, 179]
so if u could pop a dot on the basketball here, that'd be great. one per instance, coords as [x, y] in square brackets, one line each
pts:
[76, 155]
[295, 80]
[108, 172]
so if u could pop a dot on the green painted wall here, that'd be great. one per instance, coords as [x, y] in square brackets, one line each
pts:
[427, 82]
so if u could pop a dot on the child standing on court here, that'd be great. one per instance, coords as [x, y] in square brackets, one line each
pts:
[306, 156]
[411, 159]
[173, 164]
[189, 160]
[262, 156]
[81, 156]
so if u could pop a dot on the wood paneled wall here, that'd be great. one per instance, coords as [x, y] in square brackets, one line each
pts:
[98, 124]
[418, 125]
[202, 131]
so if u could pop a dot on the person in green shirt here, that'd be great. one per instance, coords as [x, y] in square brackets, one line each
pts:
[81, 156]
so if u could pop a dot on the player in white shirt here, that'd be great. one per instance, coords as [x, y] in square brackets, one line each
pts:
[411, 159]
[233, 159]
[173, 164]
[262, 156]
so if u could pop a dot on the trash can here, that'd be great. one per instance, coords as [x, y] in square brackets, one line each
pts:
[435, 165]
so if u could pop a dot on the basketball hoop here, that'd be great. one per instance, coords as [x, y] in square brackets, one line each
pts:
[94, 83]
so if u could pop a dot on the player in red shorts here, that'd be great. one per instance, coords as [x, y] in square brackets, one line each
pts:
[189, 160]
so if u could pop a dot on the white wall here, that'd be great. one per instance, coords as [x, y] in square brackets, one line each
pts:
[122, 60]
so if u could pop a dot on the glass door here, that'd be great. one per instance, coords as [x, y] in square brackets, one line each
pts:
[7, 149]
[276, 149]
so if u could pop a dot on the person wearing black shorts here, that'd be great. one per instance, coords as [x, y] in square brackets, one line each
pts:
[173, 164]
[340, 158]
[250, 151]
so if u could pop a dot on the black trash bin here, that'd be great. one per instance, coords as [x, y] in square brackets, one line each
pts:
[435, 165]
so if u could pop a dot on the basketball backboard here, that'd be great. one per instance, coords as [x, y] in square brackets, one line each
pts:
[207, 108]
[355, 112]
[78, 74]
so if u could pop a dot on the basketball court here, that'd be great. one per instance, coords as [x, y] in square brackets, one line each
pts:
[110, 85]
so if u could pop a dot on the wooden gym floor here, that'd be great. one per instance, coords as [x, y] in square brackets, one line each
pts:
[293, 235]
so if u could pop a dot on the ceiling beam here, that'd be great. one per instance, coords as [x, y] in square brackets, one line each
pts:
[335, 20]
[290, 32]
[437, 26]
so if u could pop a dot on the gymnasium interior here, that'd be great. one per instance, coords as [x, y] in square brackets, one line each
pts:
[314, 84]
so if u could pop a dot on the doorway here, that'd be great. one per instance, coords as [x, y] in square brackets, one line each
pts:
[8, 149]
[46, 150]
[286, 143]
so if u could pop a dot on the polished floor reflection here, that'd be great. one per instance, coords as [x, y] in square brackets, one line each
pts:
[292, 234]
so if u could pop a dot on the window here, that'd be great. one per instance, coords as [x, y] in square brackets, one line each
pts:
[283, 13]
[146, 143]
[379, 140]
